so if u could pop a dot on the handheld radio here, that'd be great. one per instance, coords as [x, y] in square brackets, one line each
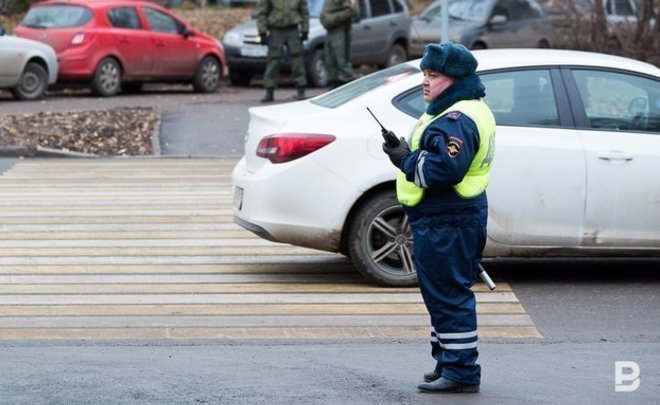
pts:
[390, 138]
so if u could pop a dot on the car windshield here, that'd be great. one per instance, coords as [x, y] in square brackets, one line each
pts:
[357, 88]
[57, 16]
[473, 10]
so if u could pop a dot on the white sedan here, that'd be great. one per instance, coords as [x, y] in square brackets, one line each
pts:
[576, 172]
[26, 67]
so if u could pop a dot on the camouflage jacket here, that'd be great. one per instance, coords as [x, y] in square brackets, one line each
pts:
[282, 14]
[339, 13]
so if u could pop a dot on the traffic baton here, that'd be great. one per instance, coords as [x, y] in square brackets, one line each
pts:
[486, 278]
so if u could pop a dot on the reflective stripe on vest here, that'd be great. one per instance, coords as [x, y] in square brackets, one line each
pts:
[476, 179]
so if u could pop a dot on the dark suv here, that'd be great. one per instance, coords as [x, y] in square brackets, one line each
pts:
[379, 38]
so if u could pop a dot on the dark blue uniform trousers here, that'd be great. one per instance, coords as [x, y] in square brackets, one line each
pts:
[447, 248]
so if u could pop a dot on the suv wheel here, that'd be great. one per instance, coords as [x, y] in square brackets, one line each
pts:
[32, 84]
[107, 78]
[317, 72]
[240, 77]
[397, 55]
[380, 241]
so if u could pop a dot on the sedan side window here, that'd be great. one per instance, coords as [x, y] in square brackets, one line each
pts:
[124, 17]
[617, 101]
[380, 7]
[161, 22]
[521, 98]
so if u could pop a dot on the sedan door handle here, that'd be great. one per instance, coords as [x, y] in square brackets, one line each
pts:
[615, 156]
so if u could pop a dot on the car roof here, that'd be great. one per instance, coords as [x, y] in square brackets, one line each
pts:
[96, 3]
[493, 59]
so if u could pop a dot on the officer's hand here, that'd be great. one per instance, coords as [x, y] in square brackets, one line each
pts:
[264, 39]
[397, 153]
[304, 36]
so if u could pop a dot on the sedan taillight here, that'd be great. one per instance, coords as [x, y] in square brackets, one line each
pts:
[282, 148]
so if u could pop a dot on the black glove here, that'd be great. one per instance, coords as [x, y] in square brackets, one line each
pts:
[397, 153]
[304, 36]
[264, 39]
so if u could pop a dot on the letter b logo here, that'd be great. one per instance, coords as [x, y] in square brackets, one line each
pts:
[626, 376]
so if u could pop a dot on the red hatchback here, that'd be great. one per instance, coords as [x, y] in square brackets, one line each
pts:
[120, 44]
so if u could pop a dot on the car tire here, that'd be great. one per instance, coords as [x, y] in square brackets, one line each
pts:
[107, 78]
[317, 71]
[32, 84]
[240, 77]
[396, 55]
[380, 241]
[208, 75]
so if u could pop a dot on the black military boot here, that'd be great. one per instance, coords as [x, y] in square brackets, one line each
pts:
[443, 385]
[268, 97]
[431, 376]
[301, 93]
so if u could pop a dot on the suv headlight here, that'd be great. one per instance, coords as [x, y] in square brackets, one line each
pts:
[232, 38]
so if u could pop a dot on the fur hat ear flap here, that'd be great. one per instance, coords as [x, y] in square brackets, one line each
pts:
[450, 59]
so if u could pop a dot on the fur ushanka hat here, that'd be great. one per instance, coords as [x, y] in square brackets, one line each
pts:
[450, 59]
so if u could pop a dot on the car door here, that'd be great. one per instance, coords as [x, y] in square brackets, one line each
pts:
[175, 54]
[369, 35]
[537, 189]
[132, 41]
[619, 121]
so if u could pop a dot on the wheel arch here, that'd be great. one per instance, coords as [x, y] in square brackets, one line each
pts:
[38, 60]
[378, 188]
[224, 69]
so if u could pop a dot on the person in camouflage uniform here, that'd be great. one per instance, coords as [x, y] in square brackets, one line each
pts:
[283, 22]
[337, 18]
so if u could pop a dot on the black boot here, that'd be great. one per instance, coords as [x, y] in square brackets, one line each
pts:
[301, 93]
[268, 97]
[444, 385]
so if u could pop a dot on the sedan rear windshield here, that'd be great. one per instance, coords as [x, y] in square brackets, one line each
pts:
[57, 16]
[357, 88]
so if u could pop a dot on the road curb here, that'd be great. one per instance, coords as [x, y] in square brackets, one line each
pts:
[40, 151]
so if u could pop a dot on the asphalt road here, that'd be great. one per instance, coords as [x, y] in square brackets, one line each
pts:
[590, 314]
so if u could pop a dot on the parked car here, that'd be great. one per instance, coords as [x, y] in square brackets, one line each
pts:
[121, 44]
[617, 12]
[379, 38]
[26, 67]
[578, 143]
[482, 24]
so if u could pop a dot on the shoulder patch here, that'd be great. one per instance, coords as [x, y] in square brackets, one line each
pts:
[454, 115]
[454, 146]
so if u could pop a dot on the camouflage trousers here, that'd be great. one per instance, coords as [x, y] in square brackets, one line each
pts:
[338, 55]
[278, 38]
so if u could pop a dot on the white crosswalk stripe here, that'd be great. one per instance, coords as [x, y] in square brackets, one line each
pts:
[147, 249]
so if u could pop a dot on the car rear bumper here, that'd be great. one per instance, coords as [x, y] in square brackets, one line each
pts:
[74, 65]
[280, 205]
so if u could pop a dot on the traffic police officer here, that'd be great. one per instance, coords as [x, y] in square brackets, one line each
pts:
[337, 18]
[441, 185]
[283, 22]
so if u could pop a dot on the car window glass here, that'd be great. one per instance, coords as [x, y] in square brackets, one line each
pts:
[502, 8]
[379, 7]
[124, 17]
[363, 9]
[358, 87]
[473, 10]
[398, 7]
[432, 13]
[521, 98]
[161, 22]
[623, 8]
[57, 16]
[411, 102]
[522, 10]
[618, 101]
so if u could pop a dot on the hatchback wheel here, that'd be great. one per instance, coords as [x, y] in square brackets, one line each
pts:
[107, 78]
[317, 72]
[33, 83]
[381, 242]
[207, 78]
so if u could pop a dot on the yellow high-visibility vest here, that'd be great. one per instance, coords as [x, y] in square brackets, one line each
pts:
[476, 179]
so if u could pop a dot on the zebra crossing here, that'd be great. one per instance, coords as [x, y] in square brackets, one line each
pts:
[147, 249]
